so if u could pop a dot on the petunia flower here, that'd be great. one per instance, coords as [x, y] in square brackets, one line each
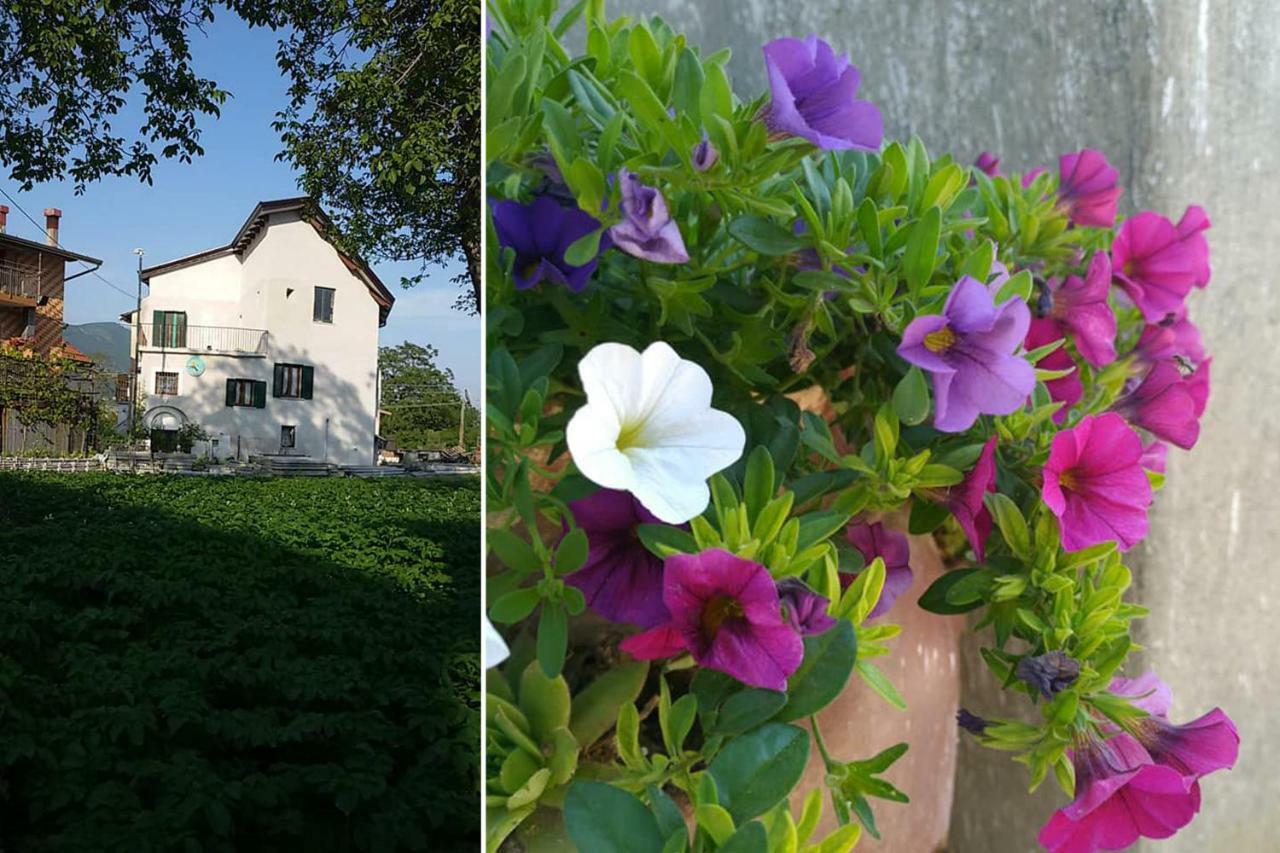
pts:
[803, 609]
[1157, 263]
[622, 579]
[1079, 306]
[726, 613]
[1065, 389]
[968, 350]
[1155, 456]
[812, 94]
[1087, 188]
[540, 233]
[1173, 337]
[1198, 384]
[1164, 405]
[987, 163]
[874, 540]
[495, 648]
[966, 504]
[1121, 795]
[1195, 749]
[647, 230]
[1095, 485]
[705, 156]
[648, 427]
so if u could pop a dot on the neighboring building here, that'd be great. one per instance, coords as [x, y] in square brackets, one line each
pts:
[270, 343]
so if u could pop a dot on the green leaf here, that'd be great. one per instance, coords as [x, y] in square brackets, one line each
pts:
[747, 709]
[765, 236]
[514, 551]
[1012, 525]
[1018, 286]
[921, 252]
[515, 605]
[828, 661]
[553, 639]
[686, 91]
[911, 397]
[595, 708]
[750, 838]
[880, 683]
[562, 131]
[935, 597]
[605, 818]
[665, 810]
[662, 540]
[582, 250]
[926, 517]
[571, 554]
[756, 771]
[978, 263]
[758, 484]
[544, 701]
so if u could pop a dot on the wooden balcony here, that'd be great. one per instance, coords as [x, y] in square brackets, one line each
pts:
[19, 286]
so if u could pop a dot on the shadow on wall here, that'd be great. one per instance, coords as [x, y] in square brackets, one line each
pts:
[242, 665]
[336, 425]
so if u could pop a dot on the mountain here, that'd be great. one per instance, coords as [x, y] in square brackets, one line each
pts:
[105, 343]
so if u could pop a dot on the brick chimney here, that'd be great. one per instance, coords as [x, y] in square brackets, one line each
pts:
[4, 218]
[51, 218]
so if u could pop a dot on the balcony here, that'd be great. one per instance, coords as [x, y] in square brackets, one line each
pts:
[19, 285]
[228, 340]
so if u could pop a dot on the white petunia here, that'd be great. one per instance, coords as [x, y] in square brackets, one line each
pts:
[495, 649]
[648, 427]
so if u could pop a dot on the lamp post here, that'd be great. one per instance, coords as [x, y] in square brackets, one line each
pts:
[137, 352]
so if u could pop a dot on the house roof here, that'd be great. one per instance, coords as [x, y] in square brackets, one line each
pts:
[257, 220]
[33, 246]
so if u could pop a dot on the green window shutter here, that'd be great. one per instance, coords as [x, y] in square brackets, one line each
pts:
[308, 382]
[260, 395]
[180, 329]
[231, 392]
[277, 381]
[157, 329]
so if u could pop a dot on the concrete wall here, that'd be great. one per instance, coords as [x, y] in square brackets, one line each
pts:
[271, 286]
[1184, 97]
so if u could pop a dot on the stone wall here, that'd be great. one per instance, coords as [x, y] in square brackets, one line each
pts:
[48, 463]
[1183, 98]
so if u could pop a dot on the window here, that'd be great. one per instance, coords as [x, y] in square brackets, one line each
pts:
[247, 392]
[169, 329]
[167, 384]
[293, 381]
[323, 308]
[122, 387]
[288, 436]
[29, 323]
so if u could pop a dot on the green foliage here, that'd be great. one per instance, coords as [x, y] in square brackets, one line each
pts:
[230, 664]
[46, 390]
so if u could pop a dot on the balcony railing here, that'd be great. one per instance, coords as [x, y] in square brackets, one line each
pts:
[224, 339]
[19, 282]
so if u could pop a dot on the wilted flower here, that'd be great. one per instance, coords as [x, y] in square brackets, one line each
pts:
[705, 156]
[965, 500]
[804, 610]
[648, 427]
[1079, 306]
[1164, 404]
[647, 230]
[1049, 673]
[1155, 456]
[1065, 389]
[1087, 188]
[540, 233]
[1157, 263]
[813, 96]
[724, 611]
[1095, 485]
[968, 349]
[622, 579]
[970, 722]
[874, 540]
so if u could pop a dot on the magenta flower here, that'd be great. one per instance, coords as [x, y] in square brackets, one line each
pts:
[968, 350]
[1157, 263]
[621, 580]
[874, 540]
[965, 502]
[1194, 749]
[705, 155]
[1155, 456]
[540, 233]
[647, 230]
[1174, 337]
[1029, 178]
[803, 609]
[987, 163]
[1095, 485]
[725, 611]
[1065, 389]
[1087, 188]
[1198, 384]
[1080, 307]
[812, 94]
[1163, 404]
[1121, 795]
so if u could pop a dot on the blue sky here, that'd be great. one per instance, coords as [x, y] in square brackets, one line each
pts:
[197, 206]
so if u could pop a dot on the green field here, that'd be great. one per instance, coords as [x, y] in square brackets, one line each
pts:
[228, 664]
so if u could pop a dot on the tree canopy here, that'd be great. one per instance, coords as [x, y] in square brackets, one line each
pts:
[421, 404]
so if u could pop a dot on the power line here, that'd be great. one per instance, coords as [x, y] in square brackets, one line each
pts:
[94, 272]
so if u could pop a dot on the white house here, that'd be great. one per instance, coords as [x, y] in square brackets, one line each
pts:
[270, 343]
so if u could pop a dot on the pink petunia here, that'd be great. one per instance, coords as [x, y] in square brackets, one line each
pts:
[1206, 744]
[1080, 307]
[1157, 263]
[965, 502]
[1165, 404]
[1094, 483]
[1065, 389]
[1087, 188]
[1175, 337]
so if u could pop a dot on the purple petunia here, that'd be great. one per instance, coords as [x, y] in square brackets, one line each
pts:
[540, 233]
[968, 349]
[647, 230]
[874, 540]
[705, 156]
[622, 579]
[725, 611]
[987, 163]
[804, 609]
[813, 96]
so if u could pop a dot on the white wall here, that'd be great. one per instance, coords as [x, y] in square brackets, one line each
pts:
[271, 286]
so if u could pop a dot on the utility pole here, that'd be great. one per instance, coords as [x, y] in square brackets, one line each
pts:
[137, 352]
[462, 419]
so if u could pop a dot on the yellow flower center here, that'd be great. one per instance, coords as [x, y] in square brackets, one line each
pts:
[629, 436]
[1067, 480]
[720, 609]
[941, 340]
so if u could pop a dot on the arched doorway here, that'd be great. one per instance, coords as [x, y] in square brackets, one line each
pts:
[164, 423]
